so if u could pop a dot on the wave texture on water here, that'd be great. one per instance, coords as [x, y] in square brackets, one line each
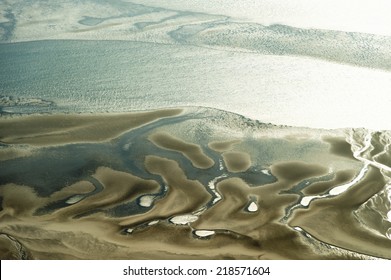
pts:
[201, 181]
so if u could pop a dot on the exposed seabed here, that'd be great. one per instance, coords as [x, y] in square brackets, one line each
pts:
[190, 183]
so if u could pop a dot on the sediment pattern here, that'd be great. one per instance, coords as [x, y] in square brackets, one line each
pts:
[121, 55]
[190, 183]
[125, 20]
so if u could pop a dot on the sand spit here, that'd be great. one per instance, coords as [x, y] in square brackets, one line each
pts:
[113, 192]
[237, 161]
[193, 152]
[222, 146]
[187, 26]
[189, 195]
[41, 130]
[11, 153]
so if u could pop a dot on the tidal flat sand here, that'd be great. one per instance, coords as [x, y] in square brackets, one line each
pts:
[169, 184]
[43, 130]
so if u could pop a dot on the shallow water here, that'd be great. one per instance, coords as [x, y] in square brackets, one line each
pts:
[86, 173]
[120, 56]
[135, 188]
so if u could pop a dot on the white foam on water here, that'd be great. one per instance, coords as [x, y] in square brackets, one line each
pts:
[253, 207]
[199, 211]
[146, 200]
[266, 172]
[389, 216]
[305, 201]
[388, 233]
[343, 188]
[212, 187]
[183, 219]
[298, 229]
[221, 166]
[74, 199]
[153, 222]
[204, 233]
[127, 146]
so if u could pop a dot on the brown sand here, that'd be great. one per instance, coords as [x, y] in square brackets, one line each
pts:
[337, 213]
[239, 234]
[339, 146]
[223, 146]
[341, 177]
[11, 249]
[191, 151]
[119, 187]
[86, 229]
[7, 153]
[270, 199]
[64, 129]
[184, 195]
[237, 161]
[295, 171]
[381, 142]
[276, 240]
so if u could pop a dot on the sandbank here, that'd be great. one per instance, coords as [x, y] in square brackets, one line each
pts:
[40, 130]
[237, 161]
[222, 146]
[191, 151]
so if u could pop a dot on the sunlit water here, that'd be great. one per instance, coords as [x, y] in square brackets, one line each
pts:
[217, 180]
[178, 55]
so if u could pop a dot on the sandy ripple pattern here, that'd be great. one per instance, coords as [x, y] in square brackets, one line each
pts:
[192, 183]
[31, 20]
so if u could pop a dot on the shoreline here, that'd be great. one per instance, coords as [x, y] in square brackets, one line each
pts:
[69, 176]
[56, 129]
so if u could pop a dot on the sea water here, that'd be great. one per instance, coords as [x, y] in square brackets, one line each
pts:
[78, 181]
[250, 58]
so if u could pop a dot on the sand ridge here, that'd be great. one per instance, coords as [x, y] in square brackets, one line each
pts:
[124, 204]
[43, 130]
[193, 152]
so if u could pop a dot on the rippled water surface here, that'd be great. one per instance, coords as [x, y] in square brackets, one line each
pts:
[122, 56]
[210, 130]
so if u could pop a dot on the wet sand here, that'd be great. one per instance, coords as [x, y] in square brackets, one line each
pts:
[41, 130]
[133, 202]
[193, 152]
[222, 146]
[337, 212]
[237, 161]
